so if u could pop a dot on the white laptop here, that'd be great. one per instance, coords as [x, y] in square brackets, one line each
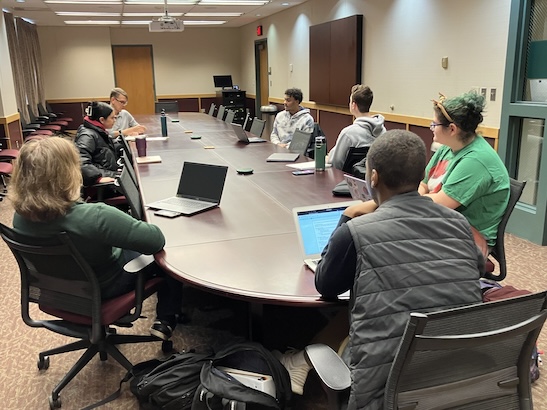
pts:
[242, 135]
[358, 188]
[200, 188]
[314, 226]
[283, 157]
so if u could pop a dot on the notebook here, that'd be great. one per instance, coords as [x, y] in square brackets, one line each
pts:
[200, 188]
[283, 157]
[358, 188]
[314, 226]
[242, 135]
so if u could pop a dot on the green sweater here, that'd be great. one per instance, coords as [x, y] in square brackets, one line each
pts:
[99, 232]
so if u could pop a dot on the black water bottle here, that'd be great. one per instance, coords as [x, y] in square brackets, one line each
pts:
[163, 124]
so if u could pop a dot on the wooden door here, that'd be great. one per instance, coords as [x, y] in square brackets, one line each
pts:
[134, 72]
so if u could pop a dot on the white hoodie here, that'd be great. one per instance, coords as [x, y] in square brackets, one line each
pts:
[286, 124]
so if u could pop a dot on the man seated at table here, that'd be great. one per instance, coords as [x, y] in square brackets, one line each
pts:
[364, 129]
[294, 117]
[125, 123]
[409, 255]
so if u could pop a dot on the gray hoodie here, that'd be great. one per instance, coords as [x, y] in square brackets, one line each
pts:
[361, 133]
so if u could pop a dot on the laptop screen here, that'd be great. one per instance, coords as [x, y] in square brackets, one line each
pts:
[202, 181]
[316, 227]
[300, 142]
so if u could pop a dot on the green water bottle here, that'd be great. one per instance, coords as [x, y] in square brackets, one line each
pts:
[163, 124]
[320, 152]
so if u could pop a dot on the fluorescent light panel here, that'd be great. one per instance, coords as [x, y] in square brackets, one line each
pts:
[151, 14]
[212, 14]
[86, 14]
[93, 22]
[172, 2]
[82, 2]
[232, 3]
[202, 22]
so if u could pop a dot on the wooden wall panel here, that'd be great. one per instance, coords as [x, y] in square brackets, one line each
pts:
[74, 110]
[320, 62]
[425, 134]
[15, 134]
[332, 123]
[394, 125]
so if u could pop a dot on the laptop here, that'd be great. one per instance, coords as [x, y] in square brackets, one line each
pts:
[242, 135]
[283, 157]
[300, 142]
[358, 188]
[200, 188]
[314, 226]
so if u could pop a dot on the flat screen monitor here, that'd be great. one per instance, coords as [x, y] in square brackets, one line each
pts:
[223, 81]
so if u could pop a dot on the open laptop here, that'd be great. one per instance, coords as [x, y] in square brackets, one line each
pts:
[200, 188]
[300, 142]
[314, 226]
[358, 188]
[242, 135]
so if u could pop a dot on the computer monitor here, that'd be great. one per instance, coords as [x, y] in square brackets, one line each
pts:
[223, 81]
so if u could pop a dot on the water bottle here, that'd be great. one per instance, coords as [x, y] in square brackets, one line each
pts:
[320, 153]
[163, 124]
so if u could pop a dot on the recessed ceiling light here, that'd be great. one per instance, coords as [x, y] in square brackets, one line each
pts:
[284, 4]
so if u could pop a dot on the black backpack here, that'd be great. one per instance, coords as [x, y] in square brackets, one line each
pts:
[220, 390]
[169, 383]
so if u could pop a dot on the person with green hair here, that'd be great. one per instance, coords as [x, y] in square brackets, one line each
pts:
[465, 173]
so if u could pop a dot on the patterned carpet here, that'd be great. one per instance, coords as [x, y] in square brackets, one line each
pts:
[213, 323]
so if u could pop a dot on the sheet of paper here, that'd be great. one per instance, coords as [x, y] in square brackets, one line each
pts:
[306, 165]
[132, 138]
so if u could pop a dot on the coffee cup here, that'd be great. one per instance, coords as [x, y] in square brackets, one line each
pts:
[140, 141]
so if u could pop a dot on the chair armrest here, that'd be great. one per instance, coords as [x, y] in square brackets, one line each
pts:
[138, 263]
[330, 367]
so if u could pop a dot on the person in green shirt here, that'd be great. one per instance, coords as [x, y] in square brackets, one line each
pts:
[466, 173]
[45, 193]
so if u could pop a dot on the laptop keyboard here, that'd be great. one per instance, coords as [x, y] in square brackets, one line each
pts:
[187, 203]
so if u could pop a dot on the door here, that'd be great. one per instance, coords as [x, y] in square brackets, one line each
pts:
[262, 74]
[134, 72]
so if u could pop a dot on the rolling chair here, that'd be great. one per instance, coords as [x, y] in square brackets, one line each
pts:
[230, 116]
[130, 192]
[221, 112]
[257, 127]
[42, 111]
[56, 277]
[46, 122]
[498, 252]
[247, 121]
[473, 357]
[212, 110]
[355, 154]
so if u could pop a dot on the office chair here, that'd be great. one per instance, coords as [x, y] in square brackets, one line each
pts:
[32, 129]
[58, 117]
[56, 277]
[221, 112]
[473, 357]
[257, 127]
[230, 116]
[212, 110]
[130, 192]
[46, 123]
[247, 121]
[355, 154]
[498, 252]
[124, 161]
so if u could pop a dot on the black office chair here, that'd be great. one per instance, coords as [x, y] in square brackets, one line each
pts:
[221, 112]
[473, 357]
[130, 192]
[230, 116]
[247, 121]
[355, 154]
[55, 116]
[212, 109]
[498, 252]
[57, 278]
[257, 127]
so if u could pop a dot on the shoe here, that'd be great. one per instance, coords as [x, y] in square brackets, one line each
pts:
[161, 329]
[297, 366]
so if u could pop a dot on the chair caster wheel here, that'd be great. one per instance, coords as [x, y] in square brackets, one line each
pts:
[54, 403]
[43, 363]
[167, 346]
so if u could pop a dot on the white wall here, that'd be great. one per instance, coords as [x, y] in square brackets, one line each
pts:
[404, 41]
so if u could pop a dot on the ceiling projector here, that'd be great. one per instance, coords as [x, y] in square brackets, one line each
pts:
[166, 24]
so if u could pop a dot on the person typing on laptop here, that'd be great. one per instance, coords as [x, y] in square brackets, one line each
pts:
[409, 255]
[45, 193]
[292, 118]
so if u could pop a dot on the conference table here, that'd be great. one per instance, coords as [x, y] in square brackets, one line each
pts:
[247, 248]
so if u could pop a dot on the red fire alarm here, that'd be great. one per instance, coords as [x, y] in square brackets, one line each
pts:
[258, 30]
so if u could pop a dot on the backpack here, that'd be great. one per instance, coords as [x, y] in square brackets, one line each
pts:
[168, 383]
[223, 386]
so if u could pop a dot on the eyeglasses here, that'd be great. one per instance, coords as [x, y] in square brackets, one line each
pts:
[121, 102]
[435, 124]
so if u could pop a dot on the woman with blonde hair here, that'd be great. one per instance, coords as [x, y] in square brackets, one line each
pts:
[45, 193]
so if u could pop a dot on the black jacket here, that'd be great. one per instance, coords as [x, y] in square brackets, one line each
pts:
[98, 154]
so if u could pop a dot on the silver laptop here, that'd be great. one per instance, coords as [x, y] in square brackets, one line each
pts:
[300, 142]
[200, 188]
[314, 226]
[283, 157]
[242, 135]
[358, 188]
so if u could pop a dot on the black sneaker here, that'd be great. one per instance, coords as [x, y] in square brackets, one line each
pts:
[161, 329]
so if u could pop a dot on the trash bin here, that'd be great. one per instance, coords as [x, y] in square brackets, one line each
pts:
[268, 113]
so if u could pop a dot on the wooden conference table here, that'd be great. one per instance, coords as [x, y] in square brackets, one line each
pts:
[247, 248]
